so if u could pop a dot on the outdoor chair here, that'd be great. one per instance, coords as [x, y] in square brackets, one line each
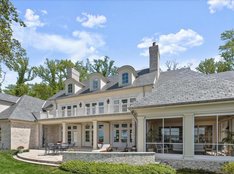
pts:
[104, 148]
[159, 148]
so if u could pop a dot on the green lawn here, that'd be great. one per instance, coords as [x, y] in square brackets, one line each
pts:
[8, 165]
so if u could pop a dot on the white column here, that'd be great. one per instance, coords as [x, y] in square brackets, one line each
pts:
[64, 133]
[95, 130]
[188, 138]
[140, 134]
[65, 112]
[133, 132]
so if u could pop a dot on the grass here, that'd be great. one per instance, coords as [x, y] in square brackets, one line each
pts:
[8, 165]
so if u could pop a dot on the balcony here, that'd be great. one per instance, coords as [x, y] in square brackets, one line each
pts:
[86, 111]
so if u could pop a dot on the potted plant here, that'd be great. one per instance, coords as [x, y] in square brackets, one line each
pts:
[229, 139]
[20, 149]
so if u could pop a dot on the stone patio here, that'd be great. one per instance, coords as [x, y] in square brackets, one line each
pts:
[41, 157]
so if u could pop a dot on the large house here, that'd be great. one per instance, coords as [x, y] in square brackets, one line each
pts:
[175, 112]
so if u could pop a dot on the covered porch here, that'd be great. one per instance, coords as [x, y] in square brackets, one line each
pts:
[89, 134]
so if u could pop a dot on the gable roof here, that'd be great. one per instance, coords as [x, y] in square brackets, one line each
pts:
[144, 77]
[8, 98]
[23, 109]
[184, 86]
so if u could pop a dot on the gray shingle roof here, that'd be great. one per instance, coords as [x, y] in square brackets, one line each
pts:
[144, 77]
[8, 98]
[23, 109]
[185, 86]
[228, 75]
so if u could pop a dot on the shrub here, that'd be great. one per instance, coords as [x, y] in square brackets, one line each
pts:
[81, 167]
[193, 171]
[228, 168]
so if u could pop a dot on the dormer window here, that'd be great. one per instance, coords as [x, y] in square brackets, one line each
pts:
[125, 79]
[95, 84]
[69, 88]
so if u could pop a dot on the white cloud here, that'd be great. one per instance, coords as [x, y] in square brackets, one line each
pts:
[82, 44]
[44, 12]
[172, 43]
[91, 21]
[32, 20]
[215, 5]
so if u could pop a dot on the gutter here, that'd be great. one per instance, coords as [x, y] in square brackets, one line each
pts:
[181, 103]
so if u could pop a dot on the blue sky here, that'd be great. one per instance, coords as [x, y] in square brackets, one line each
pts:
[186, 31]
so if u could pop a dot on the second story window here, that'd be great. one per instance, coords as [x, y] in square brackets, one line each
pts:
[125, 78]
[69, 88]
[95, 84]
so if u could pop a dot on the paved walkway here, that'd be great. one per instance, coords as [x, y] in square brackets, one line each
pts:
[40, 157]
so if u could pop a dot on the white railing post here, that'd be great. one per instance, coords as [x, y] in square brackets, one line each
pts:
[85, 110]
[65, 110]
[47, 112]
[56, 113]
[97, 110]
[75, 114]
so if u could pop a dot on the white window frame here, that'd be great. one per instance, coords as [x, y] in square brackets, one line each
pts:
[125, 78]
[70, 88]
[95, 84]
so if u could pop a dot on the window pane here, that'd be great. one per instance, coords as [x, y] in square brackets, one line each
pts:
[125, 78]
[87, 136]
[116, 136]
[124, 136]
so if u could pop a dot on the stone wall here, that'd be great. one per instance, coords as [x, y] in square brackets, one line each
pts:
[52, 133]
[5, 135]
[213, 166]
[24, 134]
[135, 158]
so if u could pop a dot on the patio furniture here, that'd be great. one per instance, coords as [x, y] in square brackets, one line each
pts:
[177, 147]
[63, 146]
[104, 148]
[159, 148]
[199, 148]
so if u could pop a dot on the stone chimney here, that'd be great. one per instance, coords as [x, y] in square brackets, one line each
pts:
[72, 73]
[154, 57]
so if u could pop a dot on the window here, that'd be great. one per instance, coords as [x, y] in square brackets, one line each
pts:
[132, 100]
[69, 88]
[95, 84]
[87, 109]
[69, 113]
[125, 78]
[0, 134]
[94, 108]
[101, 107]
[87, 136]
[165, 135]
[116, 105]
[74, 110]
[124, 105]
[63, 111]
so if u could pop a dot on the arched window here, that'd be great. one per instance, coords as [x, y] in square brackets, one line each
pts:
[69, 88]
[125, 79]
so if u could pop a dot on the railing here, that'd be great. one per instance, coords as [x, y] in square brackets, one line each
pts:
[86, 111]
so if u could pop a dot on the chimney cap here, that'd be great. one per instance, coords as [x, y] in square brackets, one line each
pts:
[154, 43]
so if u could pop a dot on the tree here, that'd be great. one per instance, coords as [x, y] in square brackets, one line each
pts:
[20, 65]
[8, 16]
[105, 67]
[53, 73]
[82, 69]
[17, 90]
[41, 90]
[171, 65]
[227, 50]
[207, 66]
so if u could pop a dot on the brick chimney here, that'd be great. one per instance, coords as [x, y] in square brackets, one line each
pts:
[72, 73]
[154, 57]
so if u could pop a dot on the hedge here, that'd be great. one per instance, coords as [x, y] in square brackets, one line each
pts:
[228, 168]
[81, 167]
